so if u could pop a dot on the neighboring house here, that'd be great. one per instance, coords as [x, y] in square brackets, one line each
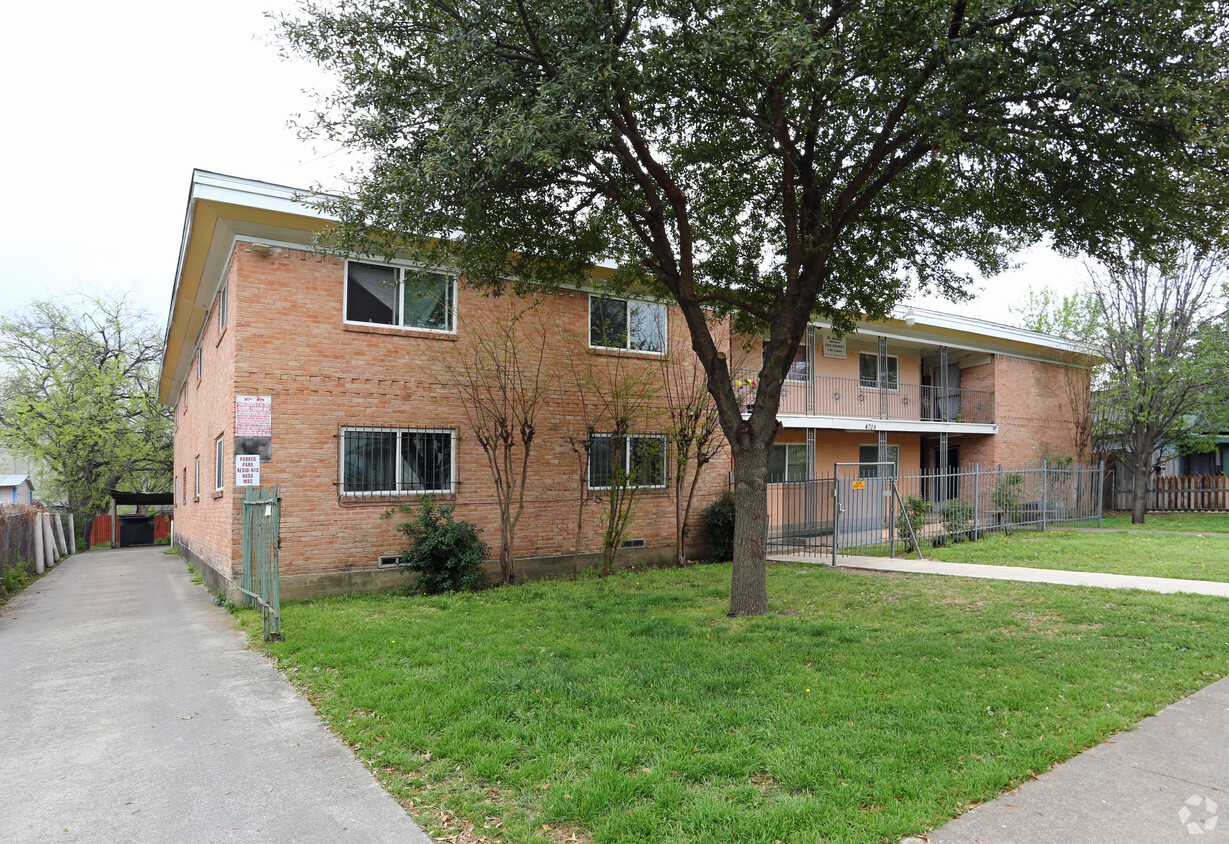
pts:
[364, 415]
[16, 489]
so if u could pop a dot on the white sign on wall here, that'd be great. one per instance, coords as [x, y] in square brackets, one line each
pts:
[834, 347]
[247, 470]
[253, 416]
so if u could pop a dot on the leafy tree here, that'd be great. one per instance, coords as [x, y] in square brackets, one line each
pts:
[1165, 338]
[501, 372]
[771, 161]
[79, 396]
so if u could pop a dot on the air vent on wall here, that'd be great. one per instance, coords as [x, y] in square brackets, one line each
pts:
[634, 543]
[388, 561]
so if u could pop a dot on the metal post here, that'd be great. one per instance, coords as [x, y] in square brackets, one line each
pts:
[882, 381]
[114, 532]
[836, 513]
[976, 498]
[1100, 492]
[1045, 486]
[72, 534]
[892, 520]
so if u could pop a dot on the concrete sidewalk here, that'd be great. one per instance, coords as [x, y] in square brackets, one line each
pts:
[133, 712]
[1027, 575]
[1165, 781]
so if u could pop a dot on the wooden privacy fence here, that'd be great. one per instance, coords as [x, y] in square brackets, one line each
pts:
[1190, 492]
[100, 529]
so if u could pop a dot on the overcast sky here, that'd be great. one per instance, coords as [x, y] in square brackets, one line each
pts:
[109, 106]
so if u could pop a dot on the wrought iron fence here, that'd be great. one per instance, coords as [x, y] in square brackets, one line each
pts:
[862, 510]
[855, 397]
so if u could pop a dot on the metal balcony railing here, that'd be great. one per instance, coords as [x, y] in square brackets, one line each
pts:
[860, 399]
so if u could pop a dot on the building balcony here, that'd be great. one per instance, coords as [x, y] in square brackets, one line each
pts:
[855, 398]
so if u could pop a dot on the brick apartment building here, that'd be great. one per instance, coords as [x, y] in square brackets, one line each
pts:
[346, 368]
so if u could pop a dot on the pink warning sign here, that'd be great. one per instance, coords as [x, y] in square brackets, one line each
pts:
[253, 416]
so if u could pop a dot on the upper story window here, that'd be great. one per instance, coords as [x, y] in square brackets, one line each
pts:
[392, 460]
[868, 371]
[627, 324]
[223, 305]
[377, 294]
[219, 464]
[636, 460]
[799, 370]
[200, 361]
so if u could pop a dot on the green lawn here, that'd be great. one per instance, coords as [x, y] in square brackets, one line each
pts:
[1155, 554]
[1199, 522]
[631, 709]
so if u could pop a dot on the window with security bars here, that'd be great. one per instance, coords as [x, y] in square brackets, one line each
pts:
[391, 461]
[639, 460]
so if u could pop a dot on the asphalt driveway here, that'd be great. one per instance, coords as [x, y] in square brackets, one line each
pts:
[131, 711]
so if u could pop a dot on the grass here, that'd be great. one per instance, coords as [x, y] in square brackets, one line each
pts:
[1197, 522]
[631, 709]
[1154, 554]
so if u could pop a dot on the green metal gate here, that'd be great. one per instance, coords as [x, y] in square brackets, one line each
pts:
[261, 509]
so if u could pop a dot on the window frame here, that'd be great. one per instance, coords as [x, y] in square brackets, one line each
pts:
[196, 486]
[893, 385]
[219, 474]
[223, 305]
[627, 319]
[805, 463]
[399, 298]
[397, 491]
[627, 467]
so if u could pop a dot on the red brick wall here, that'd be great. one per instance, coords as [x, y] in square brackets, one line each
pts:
[1032, 410]
[205, 524]
[289, 341]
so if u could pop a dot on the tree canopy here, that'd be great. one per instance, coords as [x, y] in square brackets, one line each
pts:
[771, 161]
[78, 395]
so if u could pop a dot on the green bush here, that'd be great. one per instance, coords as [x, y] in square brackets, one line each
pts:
[14, 579]
[446, 555]
[1006, 497]
[720, 520]
[957, 515]
[912, 514]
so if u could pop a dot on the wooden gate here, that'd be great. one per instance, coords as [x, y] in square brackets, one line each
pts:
[261, 510]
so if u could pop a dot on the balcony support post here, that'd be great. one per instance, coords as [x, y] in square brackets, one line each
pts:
[882, 380]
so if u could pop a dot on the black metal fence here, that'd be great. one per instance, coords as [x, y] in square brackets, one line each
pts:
[861, 509]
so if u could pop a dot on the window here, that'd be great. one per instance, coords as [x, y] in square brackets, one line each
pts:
[200, 362]
[639, 460]
[798, 369]
[223, 304]
[625, 324]
[868, 371]
[870, 454]
[787, 462]
[392, 460]
[196, 479]
[377, 294]
[218, 463]
[183, 499]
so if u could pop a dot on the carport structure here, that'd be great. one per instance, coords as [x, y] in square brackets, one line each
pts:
[135, 529]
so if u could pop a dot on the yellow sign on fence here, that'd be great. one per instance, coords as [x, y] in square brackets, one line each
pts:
[858, 485]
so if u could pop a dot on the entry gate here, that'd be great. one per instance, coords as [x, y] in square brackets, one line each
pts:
[261, 510]
[865, 501]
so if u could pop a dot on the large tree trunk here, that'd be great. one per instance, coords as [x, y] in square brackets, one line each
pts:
[1139, 491]
[748, 587]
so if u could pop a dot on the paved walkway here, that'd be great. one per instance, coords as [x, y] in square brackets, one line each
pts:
[1165, 781]
[1068, 578]
[131, 711]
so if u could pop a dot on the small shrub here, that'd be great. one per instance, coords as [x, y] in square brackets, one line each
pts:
[446, 555]
[1006, 497]
[912, 514]
[957, 515]
[720, 520]
[15, 579]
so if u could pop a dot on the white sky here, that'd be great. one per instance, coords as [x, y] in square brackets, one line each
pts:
[111, 105]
